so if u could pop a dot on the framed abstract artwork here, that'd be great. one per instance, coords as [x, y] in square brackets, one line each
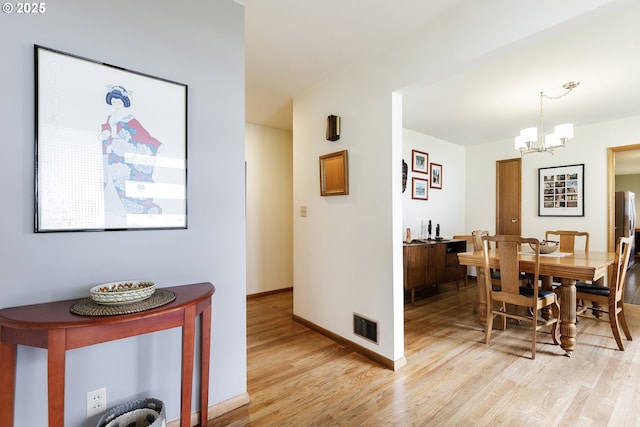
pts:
[561, 191]
[110, 147]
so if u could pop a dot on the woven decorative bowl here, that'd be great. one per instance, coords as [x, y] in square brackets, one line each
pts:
[124, 292]
[546, 247]
[139, 413]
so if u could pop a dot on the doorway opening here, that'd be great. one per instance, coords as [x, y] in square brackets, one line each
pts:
[611, 190]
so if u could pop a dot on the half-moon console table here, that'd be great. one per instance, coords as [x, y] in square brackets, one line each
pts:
[52, 326]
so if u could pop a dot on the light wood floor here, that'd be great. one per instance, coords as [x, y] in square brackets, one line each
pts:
[632, 287]
[297, 377]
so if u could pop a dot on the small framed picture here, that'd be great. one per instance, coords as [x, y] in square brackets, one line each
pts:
[419, 161]
[419, 189]
[435, 175]
[334, 174]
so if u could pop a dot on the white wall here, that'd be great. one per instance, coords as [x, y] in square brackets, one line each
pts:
[203, 47]
[269, 209]
[588, 147]
[343, 249]
[444, 206]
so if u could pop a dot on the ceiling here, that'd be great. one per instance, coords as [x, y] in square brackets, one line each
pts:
[292, 44]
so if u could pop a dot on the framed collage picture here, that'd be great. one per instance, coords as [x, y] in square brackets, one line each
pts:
[561, 191]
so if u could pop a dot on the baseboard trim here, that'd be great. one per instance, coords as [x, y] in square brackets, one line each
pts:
[266, 293]
[375, 357]
[216, 410]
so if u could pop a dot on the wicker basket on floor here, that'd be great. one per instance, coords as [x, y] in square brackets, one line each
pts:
[139, 413]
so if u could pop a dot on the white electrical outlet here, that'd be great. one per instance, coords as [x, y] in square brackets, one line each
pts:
[96, 401]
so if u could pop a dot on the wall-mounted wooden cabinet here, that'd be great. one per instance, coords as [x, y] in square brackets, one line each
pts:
[428, 263]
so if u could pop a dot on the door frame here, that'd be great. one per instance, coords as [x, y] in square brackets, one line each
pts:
[611, 191]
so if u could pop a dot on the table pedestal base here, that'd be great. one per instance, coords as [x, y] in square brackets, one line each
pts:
[568, 316]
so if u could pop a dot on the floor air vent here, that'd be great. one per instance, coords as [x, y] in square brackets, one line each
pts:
[365, 328]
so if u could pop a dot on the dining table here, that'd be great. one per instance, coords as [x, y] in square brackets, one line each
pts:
[568, 267]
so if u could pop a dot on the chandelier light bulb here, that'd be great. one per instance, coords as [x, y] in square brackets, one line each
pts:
[529, 134]
[552, 140]
[564, 131]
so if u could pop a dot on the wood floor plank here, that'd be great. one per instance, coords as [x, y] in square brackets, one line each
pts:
[297, 377]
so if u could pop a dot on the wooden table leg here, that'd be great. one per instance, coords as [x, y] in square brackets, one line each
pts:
[600, 282]
[568, 316]
[481, 298]
[205, 354]
[8, 353]
[188, 342]
[56, 375]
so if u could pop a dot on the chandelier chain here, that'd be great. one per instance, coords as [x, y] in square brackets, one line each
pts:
[567, 86]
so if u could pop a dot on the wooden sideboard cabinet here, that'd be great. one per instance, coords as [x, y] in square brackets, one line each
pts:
[428, 263]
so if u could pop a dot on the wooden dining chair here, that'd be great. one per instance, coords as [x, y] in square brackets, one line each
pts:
[512, 295]
[609, 299]
[478, 236]
[469, 239]
[567, 239]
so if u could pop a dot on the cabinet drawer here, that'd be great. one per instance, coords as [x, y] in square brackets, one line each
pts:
[452, 260]
[459, 270]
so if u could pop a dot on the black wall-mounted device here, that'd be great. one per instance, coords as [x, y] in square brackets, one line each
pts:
[333, 128]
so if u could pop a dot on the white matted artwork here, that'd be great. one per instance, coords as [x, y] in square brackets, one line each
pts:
[111, 147]
[419, 189]
[419, 161]
[435, 174]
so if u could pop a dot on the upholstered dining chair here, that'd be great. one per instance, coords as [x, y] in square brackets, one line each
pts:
[512, 294]
[609, 299]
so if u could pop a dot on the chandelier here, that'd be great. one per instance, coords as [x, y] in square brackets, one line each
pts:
[533, 140]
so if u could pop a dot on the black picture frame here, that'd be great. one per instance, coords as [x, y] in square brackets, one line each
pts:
[561, 190]
[110, 147]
